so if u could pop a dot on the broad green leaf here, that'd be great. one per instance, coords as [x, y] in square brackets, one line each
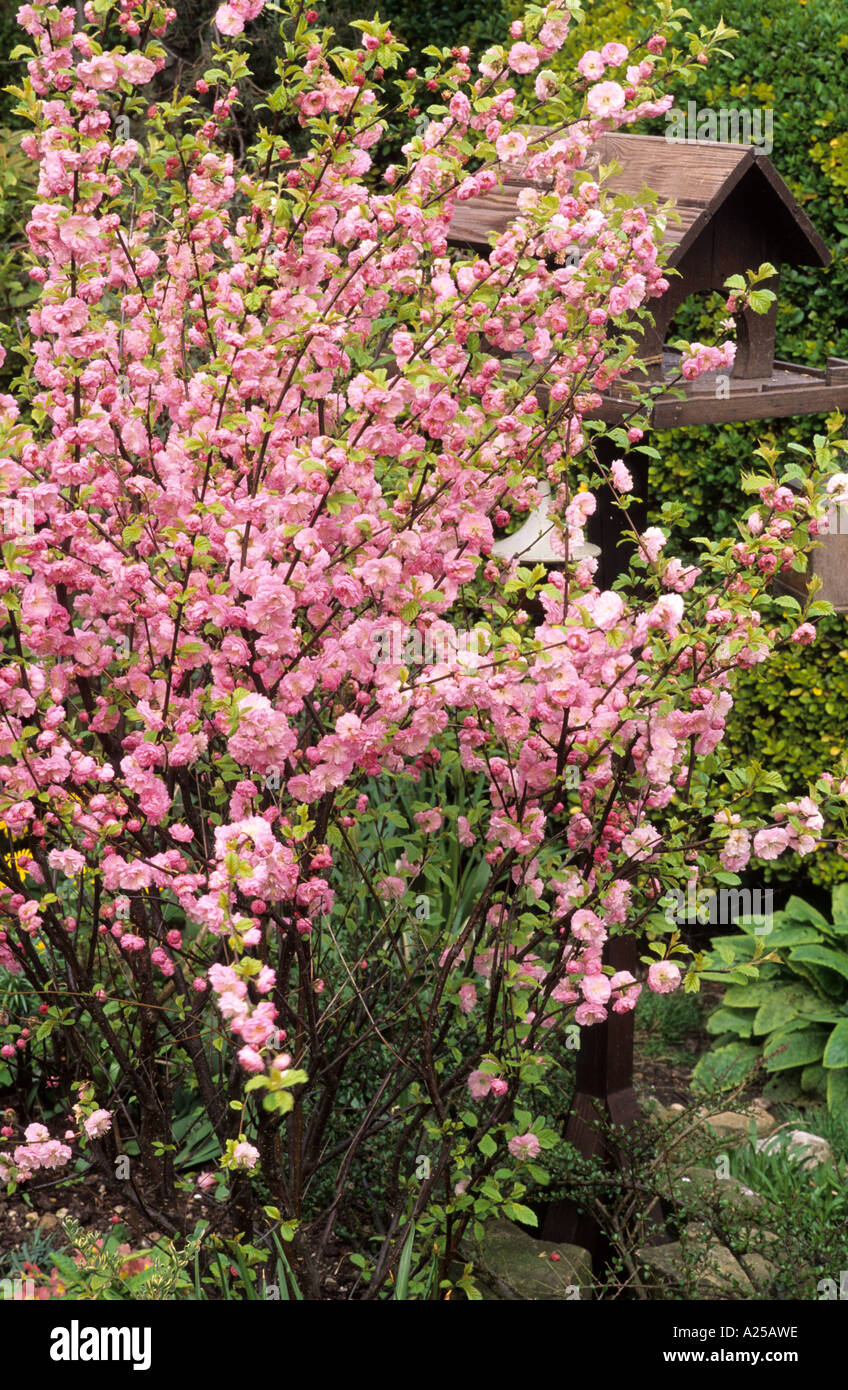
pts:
[839, 902]
[836, 1052]
[748, 996]
[730, 1021]
[788, 1004]
[821, 955]
[813, 1079]
[725, 1068]
[837, 1092]
[798, 1049]
[798, 911]
[782, 938]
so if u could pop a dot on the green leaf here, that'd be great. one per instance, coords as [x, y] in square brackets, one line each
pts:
[837, 1092]
[821, 955]
[730, 1021]
[402, 1281]
[813, 1080]
[836, 1052]
[761, 300]
[839, 905]
[784, 937]
[783, 1007]
[799, 1049]
[797, 910]
[519, 1212]
[748, 996]
[725, 1067]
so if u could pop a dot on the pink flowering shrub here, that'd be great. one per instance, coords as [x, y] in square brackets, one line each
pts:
[272, 412]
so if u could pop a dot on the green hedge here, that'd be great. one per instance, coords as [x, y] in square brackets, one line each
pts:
[791, 715]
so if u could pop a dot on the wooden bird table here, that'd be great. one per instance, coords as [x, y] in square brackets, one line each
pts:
[735, 213]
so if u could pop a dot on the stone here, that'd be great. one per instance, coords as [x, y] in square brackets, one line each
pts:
[693, 1184]
[759, 1270]
[48, 1222]
[799, 1145]
[702, 1261]
[510, 1265]
[727, 1124]
[734, 1124]
[652, 1107]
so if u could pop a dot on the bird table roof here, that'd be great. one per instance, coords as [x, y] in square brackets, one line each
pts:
[698, 176]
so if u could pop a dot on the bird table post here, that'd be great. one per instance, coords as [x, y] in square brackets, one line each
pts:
[604, 1096]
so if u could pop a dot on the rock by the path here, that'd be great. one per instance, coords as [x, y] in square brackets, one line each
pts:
[809, 1150]
[726, 1124]
[704, 1262]
[733, 1124]
[695, 1184]
[511, 1266]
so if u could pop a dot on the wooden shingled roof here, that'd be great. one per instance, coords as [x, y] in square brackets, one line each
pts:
[699, 177]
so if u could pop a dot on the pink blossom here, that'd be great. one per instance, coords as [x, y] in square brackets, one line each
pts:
[523, 57]
[524, 1146]
[467, 997]
[596, 988]
[98, 1124]
[479, 1084]
[736, 851]
[641, 843]
[663, 976]
[391, 887]
[136, 68]
[591, 65]
[511, 146]
[250, 1060]
[652, 541]
[228, 21]
[546, 85]
[770, 843]
[614, 54]
[99, 72]
[621, 476]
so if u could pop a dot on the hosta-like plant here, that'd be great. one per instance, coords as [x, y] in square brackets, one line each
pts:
[793, 1017]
